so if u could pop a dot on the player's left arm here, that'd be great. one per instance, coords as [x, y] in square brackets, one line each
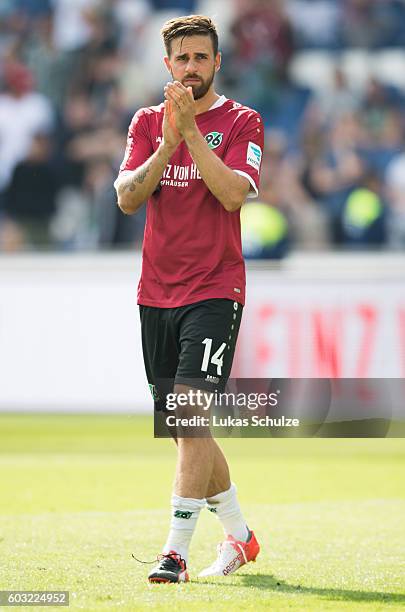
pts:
[225, 184]
[230, 188]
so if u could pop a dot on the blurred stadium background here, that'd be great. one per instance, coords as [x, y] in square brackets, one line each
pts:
[327, 76]
[326, 240]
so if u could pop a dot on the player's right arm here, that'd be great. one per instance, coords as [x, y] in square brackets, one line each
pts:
[134, 187]
[137, 181]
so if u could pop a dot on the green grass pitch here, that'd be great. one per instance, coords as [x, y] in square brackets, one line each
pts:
[79, 494]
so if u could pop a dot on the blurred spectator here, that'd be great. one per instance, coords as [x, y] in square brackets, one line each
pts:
[82, 212]
[316, 23]
[99, 53]
[30, 197]
[363, 215]
[262, 32]
[23, 113]
[361, 28]
[71, 29]
[383, 126]
[339, 167]
[264, 232]
[70, 228]
[50, 66]
[329, 104]
[33, 8]
[110, 227]
[83, 137]
[378, 105]
[373, 23]
[131, 18]
[103, 87]
[282, 187]
[90, 150]
[261, 46]
[78, 122]
[85, 217]
[395, 185]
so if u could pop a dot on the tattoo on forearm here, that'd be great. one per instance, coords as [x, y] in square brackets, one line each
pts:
[156, 163]
[139, 177]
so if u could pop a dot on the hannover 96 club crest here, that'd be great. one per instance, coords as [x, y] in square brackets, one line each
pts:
[214, 139]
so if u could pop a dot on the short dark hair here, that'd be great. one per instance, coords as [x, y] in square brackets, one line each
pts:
[189, 25]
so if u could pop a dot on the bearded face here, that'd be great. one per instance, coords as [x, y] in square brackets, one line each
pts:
[192, 62]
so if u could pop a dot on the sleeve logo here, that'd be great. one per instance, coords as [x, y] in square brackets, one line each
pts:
[214, 139]
[254, 156]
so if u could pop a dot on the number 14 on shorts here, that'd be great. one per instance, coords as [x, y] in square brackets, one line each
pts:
[217, 358]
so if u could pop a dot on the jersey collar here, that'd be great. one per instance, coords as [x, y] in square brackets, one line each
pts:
[221, 100]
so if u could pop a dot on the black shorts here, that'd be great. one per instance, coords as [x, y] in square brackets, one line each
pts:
[192, 345]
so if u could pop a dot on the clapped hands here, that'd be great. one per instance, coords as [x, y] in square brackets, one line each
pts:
[180, 104]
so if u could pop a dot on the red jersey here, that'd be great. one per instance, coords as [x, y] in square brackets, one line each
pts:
[192, 246]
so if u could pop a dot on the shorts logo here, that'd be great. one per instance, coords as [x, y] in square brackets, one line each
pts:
[214, 139]
[154, 393]
[183, 514]
[254, 156]
[212, 379]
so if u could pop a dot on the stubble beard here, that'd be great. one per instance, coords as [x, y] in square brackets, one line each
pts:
[199, 91]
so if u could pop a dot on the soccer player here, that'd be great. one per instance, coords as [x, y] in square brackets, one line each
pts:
[195, 158]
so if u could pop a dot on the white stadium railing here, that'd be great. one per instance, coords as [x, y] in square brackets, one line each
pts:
[70, 337]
